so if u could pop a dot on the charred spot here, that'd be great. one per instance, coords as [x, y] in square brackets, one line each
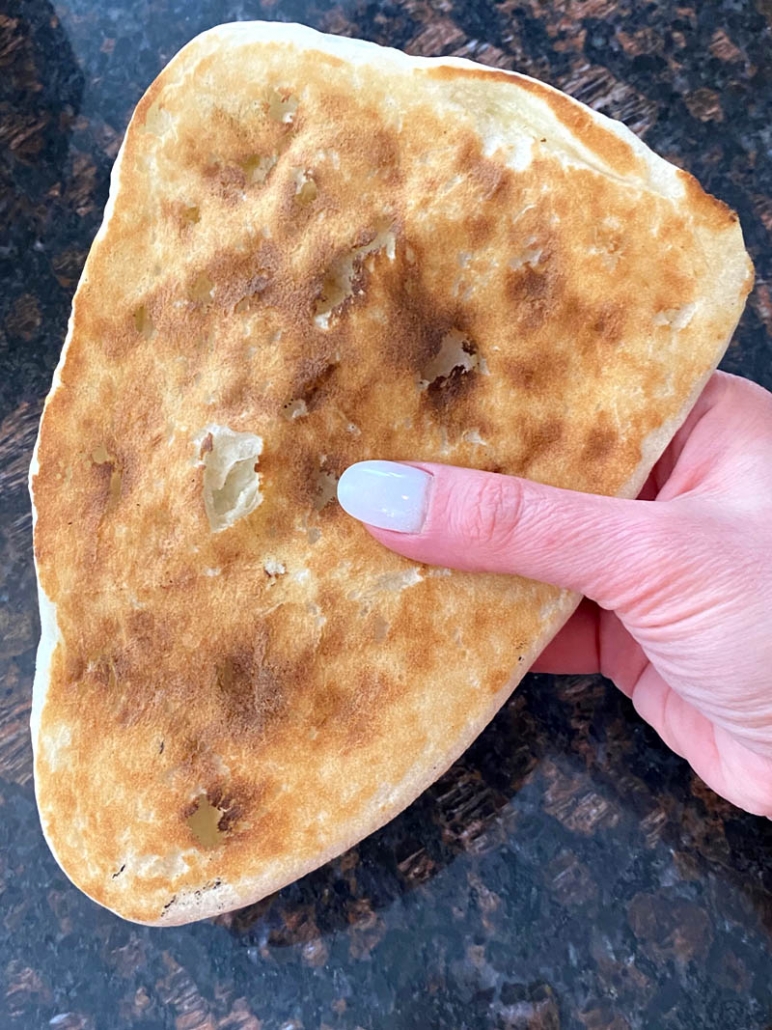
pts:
[227, 182]
[384, 154]
[608, 326]
[491, 177]
[419, 324]
[108, 474]
[232, 814]
[74, 668]
[225, 802]
[534, 292]
[140, 625]
[526, 284]
[525, 375]
[242, 280]
[334, 708]
[540, 438]
[251, 685]
[241, 678]
[535, 375]
[452, 372]
[315, 483]
[189, 809]
[335, 464]
[216, 812]
[217, 797]
[347, 709]
[444, 392]
[105, 673]
[415, 340]
[481, 229]
[601, 441]
[312, 381]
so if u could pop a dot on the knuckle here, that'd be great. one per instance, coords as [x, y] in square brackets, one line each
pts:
[491, 511]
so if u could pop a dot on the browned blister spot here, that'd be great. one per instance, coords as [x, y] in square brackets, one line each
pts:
[313, 380]
[74, 666]
[445, 393]
[243, 281]
[541, 438]
[534, 294]
[490, 179]
[608, 326]
[537, 374]
[601, 442]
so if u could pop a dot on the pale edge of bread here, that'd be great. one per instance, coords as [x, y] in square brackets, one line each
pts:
[661, 177]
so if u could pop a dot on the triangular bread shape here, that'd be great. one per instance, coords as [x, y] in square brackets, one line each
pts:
[318, 251]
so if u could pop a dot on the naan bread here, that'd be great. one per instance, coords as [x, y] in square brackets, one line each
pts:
[318, 251]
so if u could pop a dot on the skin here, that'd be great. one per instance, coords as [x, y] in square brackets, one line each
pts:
[677, 584]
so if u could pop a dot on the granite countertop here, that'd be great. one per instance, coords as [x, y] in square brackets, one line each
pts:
[568, 872]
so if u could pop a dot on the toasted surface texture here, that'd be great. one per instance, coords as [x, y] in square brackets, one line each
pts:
[315, 252]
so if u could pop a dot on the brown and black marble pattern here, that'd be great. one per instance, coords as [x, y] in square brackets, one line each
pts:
[568, 872]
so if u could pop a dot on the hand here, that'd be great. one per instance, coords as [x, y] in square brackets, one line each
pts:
[680, 609]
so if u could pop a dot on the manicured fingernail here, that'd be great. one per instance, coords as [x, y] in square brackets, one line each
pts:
[385, 494]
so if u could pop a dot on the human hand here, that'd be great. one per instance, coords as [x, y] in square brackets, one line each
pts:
[679, 614]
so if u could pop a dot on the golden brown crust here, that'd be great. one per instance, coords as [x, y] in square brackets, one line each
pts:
[301, 228]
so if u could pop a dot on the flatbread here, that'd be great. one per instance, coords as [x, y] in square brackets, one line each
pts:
[318, 251]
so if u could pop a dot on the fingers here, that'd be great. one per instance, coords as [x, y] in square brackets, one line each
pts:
[477, 521]
[592, 641]
[725, 764]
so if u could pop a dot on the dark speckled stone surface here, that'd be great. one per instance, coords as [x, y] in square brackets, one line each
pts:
[569, 872]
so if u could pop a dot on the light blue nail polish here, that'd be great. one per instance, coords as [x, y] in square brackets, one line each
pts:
[385, 494]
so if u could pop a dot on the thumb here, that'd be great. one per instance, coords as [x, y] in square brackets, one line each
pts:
[602, 547]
